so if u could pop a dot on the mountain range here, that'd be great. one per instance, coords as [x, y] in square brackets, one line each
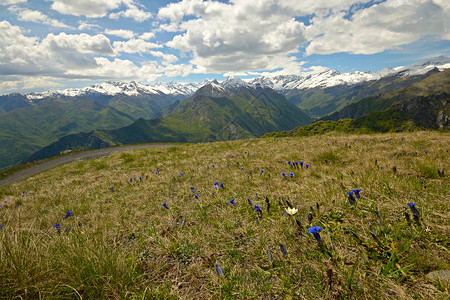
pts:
[128, 112]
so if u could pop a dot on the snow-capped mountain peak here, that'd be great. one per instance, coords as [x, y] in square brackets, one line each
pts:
[283, 83]
[233, 84]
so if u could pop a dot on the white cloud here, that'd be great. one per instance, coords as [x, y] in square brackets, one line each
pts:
[29, 62]
[134, 46]
[132, 12]
[34, 16]
[123, 33]
[176, 70]
[86, 26]
[88, 8]
[53, 55]
[147, 36]
[240, 36]
[12, 2]
[380, 27]
[168, 58]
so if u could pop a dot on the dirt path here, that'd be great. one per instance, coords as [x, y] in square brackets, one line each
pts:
[67, 159]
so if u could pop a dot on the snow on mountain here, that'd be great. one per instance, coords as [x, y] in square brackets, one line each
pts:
[234, 84]
[132, 88]
[330, 78]
[283, 83]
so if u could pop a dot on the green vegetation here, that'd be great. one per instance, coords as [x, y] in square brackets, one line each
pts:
[323, 101]
[199, 118]
[434, 86]
[123, 244]
[24, 131]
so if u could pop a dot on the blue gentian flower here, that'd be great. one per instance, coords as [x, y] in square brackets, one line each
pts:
[307, 166]
[232, 202]
[250, 171]
[258, 209]
[289, 162]
[249, 201]
[222, 186]
[69, 212]
[2, 225]
[196, 196]
[140, 178]
[315, 230]
[181, 174]
[57, 226]
[261, 171]
[213, 166]
[131, 179]
[283, 249]
[291, 174]
[216, 185]
[68, 229]
[356, 191]
[219, 269]
[112, 189]
[301, 163]
[228, 165]
[192, 188]
[283, 173]
[242, 169]
[310, 217]
[413, 209]
[351, 199]
[165, 205]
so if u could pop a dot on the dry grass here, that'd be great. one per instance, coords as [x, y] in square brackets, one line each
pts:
[128, 245]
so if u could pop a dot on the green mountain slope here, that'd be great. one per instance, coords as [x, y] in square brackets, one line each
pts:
[435, 84]
[200, 118]
[11, 102]
[422, 105]
[24, 131]
[323, 101]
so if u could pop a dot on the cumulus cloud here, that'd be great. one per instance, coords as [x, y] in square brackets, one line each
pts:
[88, 8]
[147, 36]
[27, 61]
[239, 36]
[123, 33]
[86, 26]
[132, 12]
[34, 16]
[377, 28]
[168, 58]
[22, 55]
[12, 2]
[134, 46]
[262, 35]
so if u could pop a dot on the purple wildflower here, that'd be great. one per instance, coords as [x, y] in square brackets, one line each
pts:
[315, 230]
[356, 191]
[69, 212]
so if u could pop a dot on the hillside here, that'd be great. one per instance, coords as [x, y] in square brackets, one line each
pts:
[170, 232]
[24, 131]
[435, 84]
[213, 113]
[422, 105]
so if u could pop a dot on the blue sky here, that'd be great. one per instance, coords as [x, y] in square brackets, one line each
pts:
[57, 44]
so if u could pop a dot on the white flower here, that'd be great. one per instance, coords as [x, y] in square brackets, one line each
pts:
[291, 211]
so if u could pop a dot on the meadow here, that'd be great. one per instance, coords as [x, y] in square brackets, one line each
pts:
[162, 223]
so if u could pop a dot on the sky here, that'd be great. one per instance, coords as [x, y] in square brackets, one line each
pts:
[58, 44]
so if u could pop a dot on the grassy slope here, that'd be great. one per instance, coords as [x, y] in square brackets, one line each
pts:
[26, 130]
[126, 247]
[321, 102]
[435, 84]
